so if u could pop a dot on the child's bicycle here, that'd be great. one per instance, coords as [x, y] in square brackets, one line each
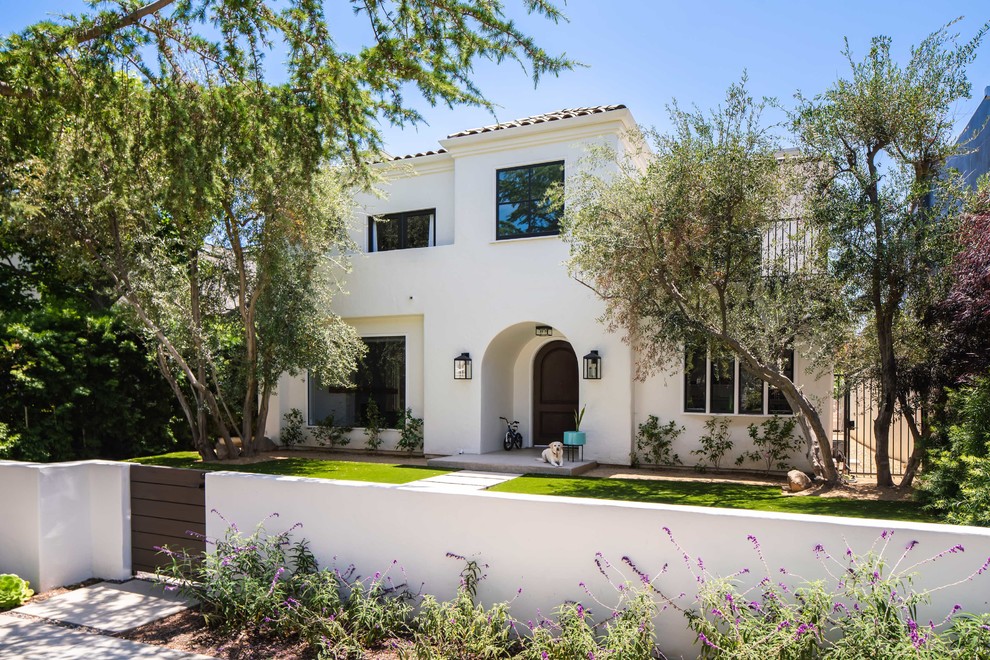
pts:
[512, 436]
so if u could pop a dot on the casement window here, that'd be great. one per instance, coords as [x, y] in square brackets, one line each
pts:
[522, 207]
[380, 377]
[401, 231]
[723, 386]
[776, 403]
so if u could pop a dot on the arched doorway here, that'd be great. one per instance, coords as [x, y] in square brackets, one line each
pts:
[555, 392]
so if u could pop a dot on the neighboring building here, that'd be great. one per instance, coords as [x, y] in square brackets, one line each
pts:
[974, 141]
[463, 257]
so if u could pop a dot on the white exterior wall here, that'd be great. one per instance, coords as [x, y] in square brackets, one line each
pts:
[549, 547]
[65, 522]
[472, 293]
[663, 395]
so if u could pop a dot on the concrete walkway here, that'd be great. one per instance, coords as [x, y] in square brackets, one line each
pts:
[517, 461]
[459, 482]
[100, 608]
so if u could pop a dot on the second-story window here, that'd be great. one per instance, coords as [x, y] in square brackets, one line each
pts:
[399, 231]
[522, 207]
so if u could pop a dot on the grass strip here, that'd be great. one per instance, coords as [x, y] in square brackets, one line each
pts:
[383, 473]
[709, 494]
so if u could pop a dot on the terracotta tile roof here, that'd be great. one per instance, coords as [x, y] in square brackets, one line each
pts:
[421, 153]
[539, 119]
[525, 121]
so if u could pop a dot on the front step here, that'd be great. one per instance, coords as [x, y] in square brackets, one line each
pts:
[522, 461]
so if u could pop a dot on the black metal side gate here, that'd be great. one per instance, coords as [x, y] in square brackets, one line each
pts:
[166, 505]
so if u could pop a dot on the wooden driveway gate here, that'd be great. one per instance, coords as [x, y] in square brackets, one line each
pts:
[166, 505]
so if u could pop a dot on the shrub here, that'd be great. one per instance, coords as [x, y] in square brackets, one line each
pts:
[866, 608]
[292, 428]
[373, 422]
[774, 442]
[656, 440]
[410, 432]
[624, 631]
[956, 482]
[271, 584]
[715, 444]
[14, 591]
[328, 434]
[460, 628]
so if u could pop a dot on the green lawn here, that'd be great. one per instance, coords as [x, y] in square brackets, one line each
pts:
[699, 493]
[385, 473]
[695, 493]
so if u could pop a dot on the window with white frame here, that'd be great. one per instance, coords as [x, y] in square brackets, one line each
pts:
[380, 377]
[402, 231]
[722, 386]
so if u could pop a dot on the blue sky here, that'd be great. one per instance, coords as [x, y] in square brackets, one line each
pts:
[643, 53]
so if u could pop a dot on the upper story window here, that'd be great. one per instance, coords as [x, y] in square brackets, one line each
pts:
[722, 386]
[398, 231]
[523, 209]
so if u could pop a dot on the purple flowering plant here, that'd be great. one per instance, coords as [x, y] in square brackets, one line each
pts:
[270, 583]
[867, 606]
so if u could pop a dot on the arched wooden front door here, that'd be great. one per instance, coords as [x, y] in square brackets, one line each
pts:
[555, 392]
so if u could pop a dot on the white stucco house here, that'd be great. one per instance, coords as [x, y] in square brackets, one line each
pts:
[463, 258]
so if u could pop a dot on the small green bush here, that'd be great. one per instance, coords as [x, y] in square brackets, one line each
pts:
[656, 439]
[328, 434]
[460, 628]
[373, 422]
[292, 428]
[774, 442]
[715, 444]
[14, 591]
[410, 432]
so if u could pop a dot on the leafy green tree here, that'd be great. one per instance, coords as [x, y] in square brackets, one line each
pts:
[679, 252]
[77, 385]
[145, 143]
[876, 143]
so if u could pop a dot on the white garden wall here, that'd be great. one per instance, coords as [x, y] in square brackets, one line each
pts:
[546, 546]
[65, 522]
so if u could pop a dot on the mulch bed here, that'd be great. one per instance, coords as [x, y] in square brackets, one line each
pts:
[187, 632]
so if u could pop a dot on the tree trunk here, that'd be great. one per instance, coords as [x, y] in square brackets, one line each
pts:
[808, 417]
[200, 384]
[888, 397]
[920, 441]
[262, 419]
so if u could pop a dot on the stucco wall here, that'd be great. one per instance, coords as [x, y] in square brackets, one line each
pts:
[484, 297]
[65, 522]
[546, 546]
[663, 395]
[475, 294]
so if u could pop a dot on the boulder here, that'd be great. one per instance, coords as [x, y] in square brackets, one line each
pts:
[221, 447]
[797, 481]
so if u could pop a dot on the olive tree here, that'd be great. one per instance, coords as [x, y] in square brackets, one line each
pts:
[681, 251]
[879, 139]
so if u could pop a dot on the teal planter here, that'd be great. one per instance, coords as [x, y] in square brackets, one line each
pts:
[574, 438]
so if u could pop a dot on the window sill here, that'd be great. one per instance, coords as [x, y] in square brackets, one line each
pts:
[353, 428]
[744, 415]
[523, 239]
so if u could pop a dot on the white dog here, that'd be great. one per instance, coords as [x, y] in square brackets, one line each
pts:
[554, 454]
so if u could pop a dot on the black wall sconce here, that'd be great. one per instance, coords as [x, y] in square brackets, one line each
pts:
[593, 366]
[544, 331]
[462, 367]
